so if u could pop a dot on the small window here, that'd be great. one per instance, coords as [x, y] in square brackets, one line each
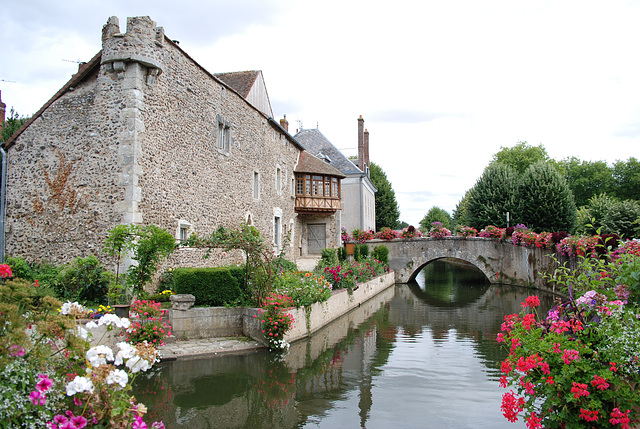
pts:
[184, 230]
[278, 180]
[184, 233]
[256, 185]
[223, 139]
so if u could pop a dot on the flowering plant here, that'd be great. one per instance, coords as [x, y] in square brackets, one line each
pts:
[523, 236]
[275, 322]
[565, 368]
[147, 324]
[410, 232]
[387, 233]
[466, 231]
[52, 377]
[438, 231]
[303, 288]
[344, 235]
[491, 231]
[577, 246]
[360, 236]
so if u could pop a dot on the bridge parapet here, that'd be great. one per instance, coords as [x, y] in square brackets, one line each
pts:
[499, 260]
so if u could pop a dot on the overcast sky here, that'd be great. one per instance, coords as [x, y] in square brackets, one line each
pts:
[442, 85]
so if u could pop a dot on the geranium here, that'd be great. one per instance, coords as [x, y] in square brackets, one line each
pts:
[491, 231]
[147, 323]
[410, 232]
[5, 271]
[466, 231]
[438, 231]
[387, 234]
[275, 321]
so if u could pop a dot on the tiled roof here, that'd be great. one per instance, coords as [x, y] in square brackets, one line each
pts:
[307, 163]
[241, 82]
[316, 143]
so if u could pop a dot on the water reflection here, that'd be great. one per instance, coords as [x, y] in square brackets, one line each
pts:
[422, 355]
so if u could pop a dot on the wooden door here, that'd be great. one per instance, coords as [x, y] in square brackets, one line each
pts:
[317, 238]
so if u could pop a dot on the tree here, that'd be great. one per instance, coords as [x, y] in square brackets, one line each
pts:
[387, 211]
[587, 179]
[627, 179]
[435, 214]
[608, 215]
[545, 202]
[12, 124]
[492, 196]
[520, 156]
[461, 212]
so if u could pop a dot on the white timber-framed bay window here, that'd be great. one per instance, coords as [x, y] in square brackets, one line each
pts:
[223, 136]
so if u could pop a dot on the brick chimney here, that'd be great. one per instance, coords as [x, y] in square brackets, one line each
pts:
[361, 155]
[366, 149]
[284, 123]
[3, 111]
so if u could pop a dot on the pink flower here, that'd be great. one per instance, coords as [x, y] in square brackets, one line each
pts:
[139, 423]
[531, 301]
[5, 271]
[38, 398]
[579, 390]
[79, 421]
[16, 350]
[570, 355]
[44, 384]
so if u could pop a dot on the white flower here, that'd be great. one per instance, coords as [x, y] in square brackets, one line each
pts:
[112, 319]
[137, 364]
[117, 376]
[127, 351]
[83, 333]
[99, 355]
[68, 307]
[91, 325]
[79, 384]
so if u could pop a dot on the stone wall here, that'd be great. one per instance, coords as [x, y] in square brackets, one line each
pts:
[137, 141]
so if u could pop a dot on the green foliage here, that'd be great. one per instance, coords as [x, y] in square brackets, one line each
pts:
[387, 211]
[152, 244]
[460, 215]
[381, 253]
[521, 156]
[11, 124]
[166, 282]
[304, 288]
[435, 214]
[587, 179]
[45, 273]
[627, 179]
[259, 255]
[342, 254]
[492, 196]
[275, 322]
[210, 286]
[544, 201]
[361, 252]
[329, 257]
[84, 279]
[609, 215]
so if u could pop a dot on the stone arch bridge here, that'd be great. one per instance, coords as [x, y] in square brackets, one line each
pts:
[499, 260]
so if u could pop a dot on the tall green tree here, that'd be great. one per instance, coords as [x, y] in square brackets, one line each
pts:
[587, 179]
[521, 156]
[435, 214]
[11, 124]
[387, 211]
[492, 196]
[460, 214]
[627, 179]
[609, 215]
[545, 202]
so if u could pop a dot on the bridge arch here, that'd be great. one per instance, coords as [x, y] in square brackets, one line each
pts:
[499, 260]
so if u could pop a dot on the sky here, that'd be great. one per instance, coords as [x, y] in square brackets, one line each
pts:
[442, 85]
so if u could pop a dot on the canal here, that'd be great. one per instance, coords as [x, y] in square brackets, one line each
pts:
[422, 355]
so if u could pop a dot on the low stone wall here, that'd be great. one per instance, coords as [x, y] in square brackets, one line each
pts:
[212, 322]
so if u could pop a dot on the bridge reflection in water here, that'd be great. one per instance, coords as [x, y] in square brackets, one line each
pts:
[419, 355]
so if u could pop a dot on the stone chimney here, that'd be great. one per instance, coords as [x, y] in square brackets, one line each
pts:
[3, 111]
[361, 155]
[284, 123]
[366, 149]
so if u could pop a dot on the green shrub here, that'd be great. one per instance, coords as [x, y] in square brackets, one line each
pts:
[84, 279]
[282, 265]
[342, 254]
[166, 281]
[361, 252]
[381, 253]
[210, 286]
[329, 257]
[303, 288]
[21, 269]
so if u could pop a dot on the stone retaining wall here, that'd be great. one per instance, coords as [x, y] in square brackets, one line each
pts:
[211, 322]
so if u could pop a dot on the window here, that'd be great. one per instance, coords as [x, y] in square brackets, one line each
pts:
[223, 139]
[256, 185]
[184, 230]
[278, 180]
[184, 233]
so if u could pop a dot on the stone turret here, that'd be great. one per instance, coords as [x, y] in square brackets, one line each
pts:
[142, 44]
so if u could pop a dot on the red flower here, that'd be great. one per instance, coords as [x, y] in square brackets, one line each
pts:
[534, 422]
[589, 416]
[600, 382]
[531, 301]
[5, 271]
[579, 390]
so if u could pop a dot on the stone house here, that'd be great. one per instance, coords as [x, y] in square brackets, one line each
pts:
[143, 134]
[358, 191]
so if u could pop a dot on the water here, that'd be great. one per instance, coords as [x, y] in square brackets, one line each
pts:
[417, 356]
